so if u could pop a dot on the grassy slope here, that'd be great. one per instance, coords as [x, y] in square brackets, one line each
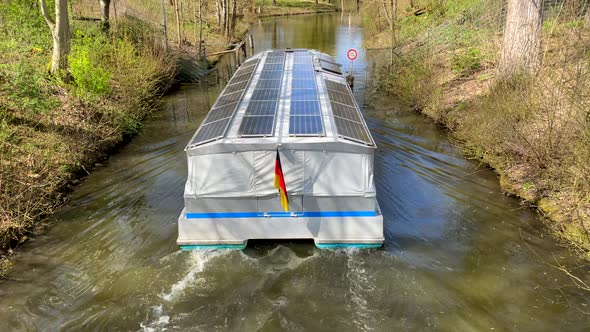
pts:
[52, 132]
[533, 132]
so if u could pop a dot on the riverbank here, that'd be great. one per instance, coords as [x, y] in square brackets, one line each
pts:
[533, 131]
[54, 130]
[292, 7]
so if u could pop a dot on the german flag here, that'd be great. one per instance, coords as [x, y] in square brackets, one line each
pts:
[280, 183]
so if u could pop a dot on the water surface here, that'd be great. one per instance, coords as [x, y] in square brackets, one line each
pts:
[458, 254]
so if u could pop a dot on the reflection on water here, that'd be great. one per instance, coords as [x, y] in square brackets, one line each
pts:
[458, 254]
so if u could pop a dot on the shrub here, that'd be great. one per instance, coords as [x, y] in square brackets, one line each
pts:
[466, 61]
[88, 65]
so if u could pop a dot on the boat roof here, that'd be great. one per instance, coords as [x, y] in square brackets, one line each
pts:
[285, 97]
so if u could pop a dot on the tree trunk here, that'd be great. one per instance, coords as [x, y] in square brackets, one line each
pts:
[178, 22]
[218, 12]
[104, 13]
[60, 31]
[274, 2]
[521, 48]
[164, 24]
[200, 29]
[392, 26]
[222, 15]
[227, 18]
[234, 15]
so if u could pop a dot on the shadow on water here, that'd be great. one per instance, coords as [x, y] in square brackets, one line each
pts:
[458, 254]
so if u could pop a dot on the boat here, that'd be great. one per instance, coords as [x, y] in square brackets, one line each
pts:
[284, 153]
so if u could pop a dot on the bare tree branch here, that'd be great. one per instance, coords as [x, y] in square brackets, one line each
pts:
[46, 15]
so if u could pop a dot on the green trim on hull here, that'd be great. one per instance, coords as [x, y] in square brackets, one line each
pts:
[212, 246]
[348, 245]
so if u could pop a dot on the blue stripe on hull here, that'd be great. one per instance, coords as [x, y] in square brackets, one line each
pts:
[310, 214]
[348, 245]
[212, 246]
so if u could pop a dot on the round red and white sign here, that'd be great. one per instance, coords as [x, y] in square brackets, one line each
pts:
[352, 54]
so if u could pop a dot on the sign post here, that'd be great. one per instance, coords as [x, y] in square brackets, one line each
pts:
[352, 54]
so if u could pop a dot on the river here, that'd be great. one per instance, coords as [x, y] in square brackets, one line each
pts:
[458, 254]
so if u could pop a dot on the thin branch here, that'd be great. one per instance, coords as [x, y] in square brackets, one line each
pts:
[46, 15]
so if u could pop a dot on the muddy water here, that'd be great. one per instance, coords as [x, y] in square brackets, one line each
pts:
[458, 255]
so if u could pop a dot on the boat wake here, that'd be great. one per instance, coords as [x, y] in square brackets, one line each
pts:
[362, 285]
[158, 322]
[200, 260]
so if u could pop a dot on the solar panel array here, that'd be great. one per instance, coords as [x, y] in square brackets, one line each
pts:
[305, 116]
[331, 66]
[259, 118]
[346, 115]
[215, 124]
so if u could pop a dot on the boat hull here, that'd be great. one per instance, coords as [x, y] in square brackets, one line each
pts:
[328, 229]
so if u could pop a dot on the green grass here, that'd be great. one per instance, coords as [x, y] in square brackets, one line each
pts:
[49, 129]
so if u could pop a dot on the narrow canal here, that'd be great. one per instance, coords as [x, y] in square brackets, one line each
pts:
[458, 255]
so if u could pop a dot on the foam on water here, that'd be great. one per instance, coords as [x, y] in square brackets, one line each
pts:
[361, 286]
[158, 322]
[200, 259]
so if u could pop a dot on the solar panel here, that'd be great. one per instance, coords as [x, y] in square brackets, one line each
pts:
[260, 114]
[271, 75]
[211, 131]
[352, 130]
[303, 75]
[342, 98]
[237, 85]
[305, 107]
[247, 65]
[273, 66]
[302, 67]
[349, 122]
[246, 69]
[302, 60]
[268, 84]
[265, 94]
[338, 87]
[306, 125]
[304, 94]
[257, 125]
[215, 124]
[241, 78]
[220, 112]
[262, 107]
[331, 67]
[228, 98]
[325, 57]
[305, 114]
[303, 84]
[345, 112]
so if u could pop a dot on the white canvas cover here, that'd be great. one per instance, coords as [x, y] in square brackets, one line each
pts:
[251, 173]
